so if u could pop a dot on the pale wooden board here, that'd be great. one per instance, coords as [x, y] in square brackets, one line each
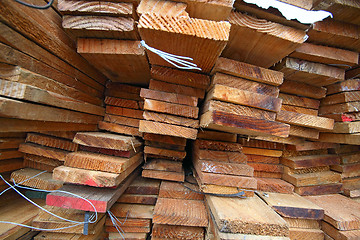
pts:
[305, 120]
[129, 236]
[50, 141]
[169, 97]
[164, 231]
[180, 212]
[299, 162]
[167, 129]
[303, 234]
[246, 216]
[218, 145]
[220, 156]
[180, 41]
[44, 181]
[276, 45]
[122, 210]
[138, 199]
[162, 7]
[340, 235]
[303, 223]
[225, 168]
[48, 152]
[312, 179]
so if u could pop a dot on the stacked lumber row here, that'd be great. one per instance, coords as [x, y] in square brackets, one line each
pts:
[250, 218]
[307, 167]
[220, 165]
[123, 109]
[134, 210]
[302, 216]
[170, 113]
[349, 168]
[264, 157]
[341, 220]
[243, 99]
[180, 212]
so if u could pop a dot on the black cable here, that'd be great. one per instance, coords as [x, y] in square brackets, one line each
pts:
[36, 6]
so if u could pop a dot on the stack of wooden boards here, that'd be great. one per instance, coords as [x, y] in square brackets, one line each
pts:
[180, 213]
[134, 210]
[341, 220]
[243, 99]
[307, 167]
[170, 113]
[264, 157]
[220, 164]
[123, 109]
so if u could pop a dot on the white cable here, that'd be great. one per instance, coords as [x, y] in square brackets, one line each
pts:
[175, 60]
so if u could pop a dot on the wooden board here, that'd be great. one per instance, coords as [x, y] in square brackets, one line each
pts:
[218, 145]
[167, 129]
[117, 128]
[299, 110]
[121, 210]
[293, 206]
[344, 86]
[326, 55]
[342, 219]
[221, 156]
[304, 132]
[264, 167]
[248, 71]
[297, 101]
[242, 97]
[259, 174]
[120, 102]
[29, 111]
[179, 191]
[303, 223]
[343, 97]
[44, 181]
[169, 97]
[288, 140]
[348, 158]
[316, 74]
[214, 105]
[303, 89]
[154, 33]
[306, 146]
[163, 175]
[43, 151]
[53, 142]
[180, 77]
[165, 139]
[260, 143]
[126, 121]
[30, 93]
[180, 212]
[129, 236]
[66, 135]
[341, 235]
[319, 189]
[144, 186]
[244, 84]
[277, 44]
[138, 199]
[246, 216]
[101, 198]
[162, 7]
[274, 185]
[299, 233]
[312, 179]
[41, 163]
[353, 138]
[163, 165]
[112, 152]
[263, 159]
[305, 120]
[340, 108]
[175, 88]
[262, 152]
[176, 155]
[299, 162]
[232, 123]
[125, 112]
[106, 140]
[112, 56]
[217, 136]
[225, 168]
[163, 231]
[101, 162]
[171, 108]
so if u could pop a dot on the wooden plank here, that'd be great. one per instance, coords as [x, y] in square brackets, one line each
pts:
[335, 33]
[349, 170]
[51, 142]
[258, 174]
[344, 86]
[112, 152]
[226, 122]
[165, 139]
[244, 84]
[138, 199]
[218, 145]
[225, 168]
[293, 206]
[171, 108]
[349, 158]
[176, 155]
[131, 222]
[125, 112]
[260, 144]
[262, 152]
[221, 156]
[167, 129]
[341, 235]
[65, 135]
[288, 140]
[353, 138]
[177, 232]
[27, 177]
[217, 136]
[164, 175]
[310, 161]
[29, 111]
[180, 212]
[299, 110]
[242, 97]
[169, 97]
[277, 44]
[43, 151]
[162, 7]
[163, 165]
[316, 74]
[274, 185]
[299, 101]
[171, 119]
[178, 191]
[298, 233]
[343, 97]
[117, 128]
[326, 55]
[101, 198]
[312, 179]
[144, 186]
[246, 216]
[307, 170]
[303, 223]
[94, 8]
[305, 120]
[304, 132]
[41, 163]
[264, 167]
[132, 211]
[130, 236]
[262, 159]
[346, 127]
[112, 56]
[37, 95]
[106, 140]
[303, 89]
[119, 102]
[131, 122]
[180, 77]
[306, 146]
[175, 88]
[164, 145]
[340, 108]
[248, 71]
[101, 162]
[236, 109]
[120, 90]
[342, 219]
[154, 33]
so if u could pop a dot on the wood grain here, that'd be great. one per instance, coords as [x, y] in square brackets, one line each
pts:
[303, 89]
[305, 120]
[169, 97]
[48, 152]
[171, 108]
[44, 181]
[167, 129]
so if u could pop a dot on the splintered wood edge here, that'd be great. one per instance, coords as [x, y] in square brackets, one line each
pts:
[218, 31]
